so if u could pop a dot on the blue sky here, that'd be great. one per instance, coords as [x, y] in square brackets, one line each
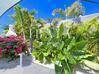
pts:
[45, 8]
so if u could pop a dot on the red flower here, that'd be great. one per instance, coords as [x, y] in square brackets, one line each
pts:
[18, 49]
[0, 52]
[1, 39]
[10, 39]
[9, 47]
[17, 44]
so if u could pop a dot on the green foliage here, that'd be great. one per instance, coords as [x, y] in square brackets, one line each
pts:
[67, 45]
[27, 25]
[22, 24]
[75, 10]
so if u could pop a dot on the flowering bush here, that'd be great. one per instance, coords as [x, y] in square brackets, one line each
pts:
[11, 46]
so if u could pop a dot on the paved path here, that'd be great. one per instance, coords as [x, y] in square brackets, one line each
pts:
[28, 67]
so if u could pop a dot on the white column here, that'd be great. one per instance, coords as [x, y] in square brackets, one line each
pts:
[21, 59]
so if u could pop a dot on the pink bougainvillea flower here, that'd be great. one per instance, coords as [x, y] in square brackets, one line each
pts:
[1, 39]
[23, 45]
[17, 44]
[0, 52]
[9, 47]
[18, 49]
[9, 39]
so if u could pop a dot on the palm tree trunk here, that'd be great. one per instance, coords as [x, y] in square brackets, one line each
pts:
[23, 34]
[31, 40]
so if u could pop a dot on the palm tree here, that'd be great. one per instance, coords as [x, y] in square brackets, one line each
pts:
[74, 11]
[19, 18]
[24, 22]
[30, 25]
[30, 22]
[59, 11]
[77, 9]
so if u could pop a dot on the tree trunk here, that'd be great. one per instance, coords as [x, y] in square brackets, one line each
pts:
[31, 40]
[23, 33]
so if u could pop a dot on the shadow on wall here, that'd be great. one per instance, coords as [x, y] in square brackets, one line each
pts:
[4, 64]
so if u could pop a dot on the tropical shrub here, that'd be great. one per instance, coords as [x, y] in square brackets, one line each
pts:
[66, 45]
[11, 47]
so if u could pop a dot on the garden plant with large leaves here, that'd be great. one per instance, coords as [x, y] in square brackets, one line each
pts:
[67, 45]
